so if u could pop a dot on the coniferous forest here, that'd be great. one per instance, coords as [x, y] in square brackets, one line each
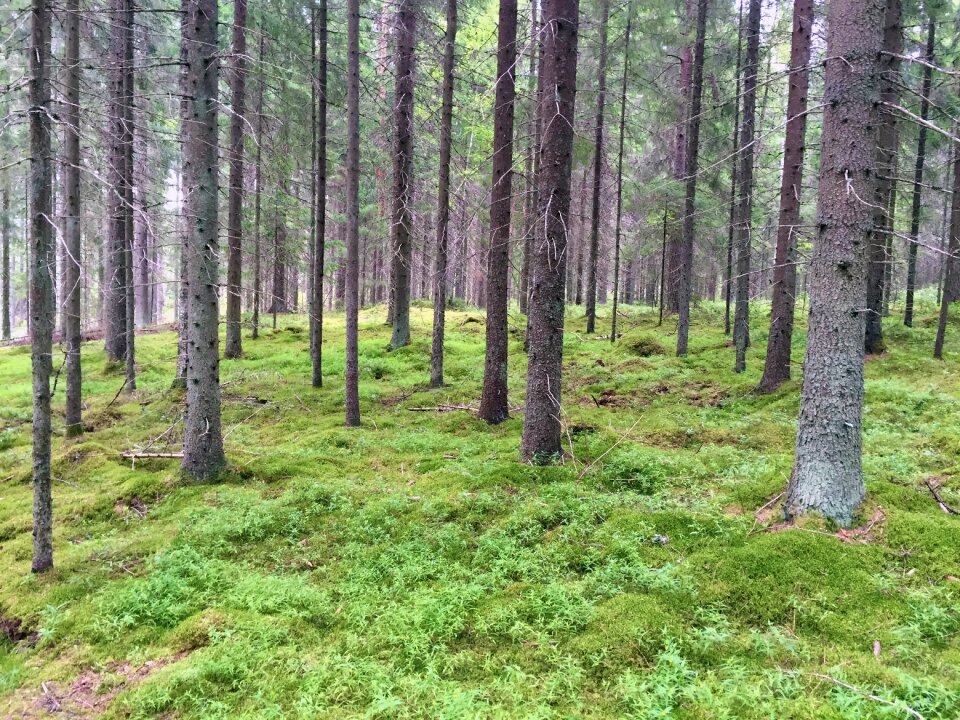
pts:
[480, 359]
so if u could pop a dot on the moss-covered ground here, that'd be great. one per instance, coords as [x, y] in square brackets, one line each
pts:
[414, 568]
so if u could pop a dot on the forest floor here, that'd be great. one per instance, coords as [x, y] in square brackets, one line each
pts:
[414, 568]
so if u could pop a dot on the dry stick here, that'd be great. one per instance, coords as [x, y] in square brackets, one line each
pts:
[139, 455]
[936, 496]
[442, 408]
[608, 450]
[899, 705]
[264, 405]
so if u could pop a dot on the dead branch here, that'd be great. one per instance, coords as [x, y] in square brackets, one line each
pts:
[936, 496]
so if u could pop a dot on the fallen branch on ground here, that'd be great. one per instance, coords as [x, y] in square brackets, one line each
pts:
[443, 408]
[936, 496]
[141, 455]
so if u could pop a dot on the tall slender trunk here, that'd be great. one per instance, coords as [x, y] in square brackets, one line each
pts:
[403, 173]
[71, 219]
[530, 205]
[41, 283]
[950, 291]
[493, 401]
[233, 347]
[542, 416]
[351, 295]
[130, 326]
[734, 166]
[320, 201]
[918, 177]
[144, 264]
[616, 232]
[581, 239]
[827, 473]
[597, 170]
[5, 251]
[685, 285]
[776, 367]
[884, 196]
[443, 199]
[202, 441]
[744, 224]
[258, 198]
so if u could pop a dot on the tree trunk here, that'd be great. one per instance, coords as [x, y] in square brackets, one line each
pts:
[827, 474]
[918, 178]
[320, 201]
[530, 183]
[741, 324]
[443, 199]
[351, 295]
[734, 165]
[115, 295]
[493, 401]
[202, 442]
[685, 286]
[597, 170]
[403, 173]
[41, 283]
[541, 423]
[258, 198]
[950, 294]
[71, 219]
[616, 232]
[888, 142]
[5, 250]
[130, 326]
[233, 346]
[777, 364]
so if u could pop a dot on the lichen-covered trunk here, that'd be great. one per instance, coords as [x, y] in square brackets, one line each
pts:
[827, 474]
[202, 441]
[776, 367]
[884, 184]
[443, 199]
[403, 174]
[71, 219]
[493, 401]
[744, 223]
[685, 286]
[233, 346]
[542, 417]
[351, 281]
[591, 299]
[320, 200]
[41, 282]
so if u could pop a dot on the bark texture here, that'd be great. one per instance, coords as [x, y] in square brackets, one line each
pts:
[776, 367]
[351, 293]
[591, 299]
[616, 232]
[493, 401]
[320, 199]
[827, 474]
[541, 423]
[950, 294]
[233, 346]
[202, 441]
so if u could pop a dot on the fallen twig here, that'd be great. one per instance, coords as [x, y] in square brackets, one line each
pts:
[936, 496]
[141, 455]
[900, 705]
[608, 450]
[443, 408]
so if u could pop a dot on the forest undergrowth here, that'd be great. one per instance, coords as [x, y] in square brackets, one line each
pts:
[415, 568]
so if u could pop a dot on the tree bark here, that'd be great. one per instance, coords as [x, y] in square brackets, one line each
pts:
[71, 219]
[258, 199]
[320, 200]
[530, 183]
[685, 287]
[950, 294]
[776, 367]
[541, 425]
[493, 401]
[734, 165]
[351, 295]
[202, 442]
[41, 282]
[233, 347]
[130, 326]
[403, 173]
[918, 177]
[744, 225]
[827, 474]
[443, 199]
[5, 251]
[591, 300]
[616, 232]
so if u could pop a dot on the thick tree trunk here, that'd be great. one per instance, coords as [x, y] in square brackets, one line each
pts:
[443, 199]
[616, 232]
[233, 347]
[71, 218]
[351, 295]
[591, 300]
[950, 291]
[776, 367]
[493, 401]
[685, 286]
[827, 474]
[202, 442]
[918, 178]
[541, 423]
[115, 293]
[41, 282]
[734, 166]
[403, 173]
[884, 186]
[320, 201]
[744, 224]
